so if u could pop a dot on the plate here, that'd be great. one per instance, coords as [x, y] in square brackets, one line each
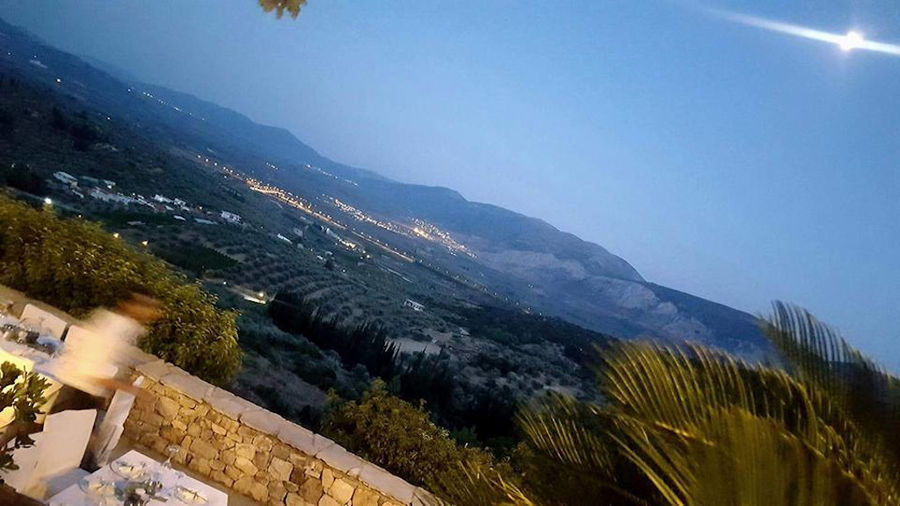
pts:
[189, 496]
[128, 471]
[95, 486]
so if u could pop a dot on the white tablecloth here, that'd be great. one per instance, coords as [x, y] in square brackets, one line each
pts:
[51, 367]
[74, 496]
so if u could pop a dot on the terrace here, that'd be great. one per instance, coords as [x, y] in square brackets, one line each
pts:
[178, 430]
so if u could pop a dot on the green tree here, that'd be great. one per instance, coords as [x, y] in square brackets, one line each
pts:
[24, 393]
[292, 7]
[402, 438]
[692, 426]
[77, 266]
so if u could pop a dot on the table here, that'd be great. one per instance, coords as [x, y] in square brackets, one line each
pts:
[28, 359]
[74, 496]
[53, 368]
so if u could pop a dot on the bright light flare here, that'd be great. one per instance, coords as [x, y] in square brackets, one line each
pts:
[847, 42]
[852, 40]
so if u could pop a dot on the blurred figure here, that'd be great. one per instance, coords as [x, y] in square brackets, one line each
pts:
[93, 359]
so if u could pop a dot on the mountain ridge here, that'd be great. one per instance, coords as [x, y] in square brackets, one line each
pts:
[546, 268]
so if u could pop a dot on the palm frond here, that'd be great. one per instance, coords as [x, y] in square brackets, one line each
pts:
[680, 411]
[818, 354]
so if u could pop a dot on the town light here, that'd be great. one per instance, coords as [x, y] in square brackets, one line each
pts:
[48, 201]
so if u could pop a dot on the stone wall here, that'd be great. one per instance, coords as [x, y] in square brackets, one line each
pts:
[253, 451]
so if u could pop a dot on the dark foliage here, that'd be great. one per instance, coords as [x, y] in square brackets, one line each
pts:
[22, 177]
[515, 327]
[362, 344]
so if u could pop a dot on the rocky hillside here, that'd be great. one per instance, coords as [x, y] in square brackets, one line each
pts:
[521, 259]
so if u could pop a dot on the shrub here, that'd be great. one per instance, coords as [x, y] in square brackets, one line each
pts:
[75, 265]
[400, 437]
[24, 392]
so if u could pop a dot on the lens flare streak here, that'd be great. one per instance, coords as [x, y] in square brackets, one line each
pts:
[849, 41]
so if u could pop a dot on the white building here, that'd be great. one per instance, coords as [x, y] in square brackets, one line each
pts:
[99, 194]
[65, 178]
[162, 199]
[230, 217]
[416, 306]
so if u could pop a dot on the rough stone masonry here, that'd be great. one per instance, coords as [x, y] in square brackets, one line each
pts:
[253, 451]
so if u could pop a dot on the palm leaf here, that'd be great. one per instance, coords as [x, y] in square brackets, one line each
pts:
[684, 413]
[817, 353]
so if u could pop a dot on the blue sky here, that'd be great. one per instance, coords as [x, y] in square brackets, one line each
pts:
[723, 160]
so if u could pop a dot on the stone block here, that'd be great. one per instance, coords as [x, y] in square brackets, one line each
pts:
[167, 407]
[263, 443]
[186, 402]
[302, 439]
[221, 477]
[387, 483]
[245, 465]
[282, 451]
[293, 499]
[200, 465]
[262, 420]
[230, 424]
[191, 386]
[217, 465]
[247, 434]
[365, 497]
[277, 493]
[154, 370]
[313, 469]
[328, 501]
[422, 497]
[298, 459]
[280, 469]
[222, 442]
[201, 409]
[311, 491]
[152, 419]
[262, 459]
[203, 449]
[259, 492]
[341, 490]
[228, 457]
[233, 472]
[246, 450]
[342, 460]
[242, 485]
[327, 478]
[171, 434]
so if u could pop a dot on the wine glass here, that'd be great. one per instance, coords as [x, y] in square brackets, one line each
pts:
[171, 451]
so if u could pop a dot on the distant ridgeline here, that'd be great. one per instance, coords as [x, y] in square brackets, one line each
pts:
[517, 258]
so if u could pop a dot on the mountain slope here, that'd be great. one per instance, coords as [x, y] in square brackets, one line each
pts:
[522, 258]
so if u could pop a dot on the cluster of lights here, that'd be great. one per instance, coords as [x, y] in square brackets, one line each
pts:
[163, 102]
